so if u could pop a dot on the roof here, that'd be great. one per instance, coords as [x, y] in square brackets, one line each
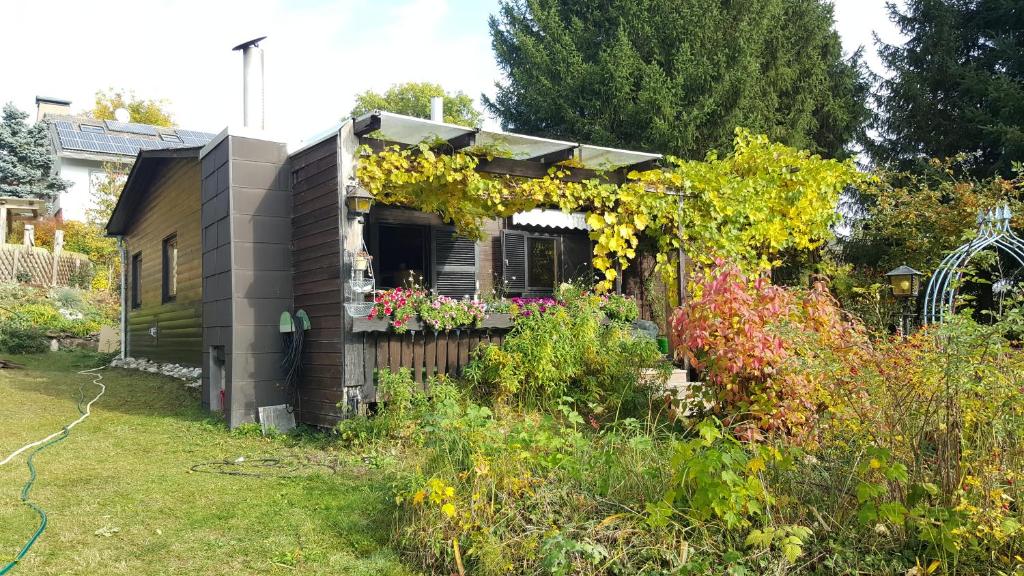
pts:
[109, 140]
[138, 184]
[904, 270]
[48, 100]
[397, 128]
[22, 207]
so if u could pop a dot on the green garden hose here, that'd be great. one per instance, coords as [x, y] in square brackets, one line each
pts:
[41, 445]
[25, 490]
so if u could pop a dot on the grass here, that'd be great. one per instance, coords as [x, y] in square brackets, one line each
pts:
[121, 498]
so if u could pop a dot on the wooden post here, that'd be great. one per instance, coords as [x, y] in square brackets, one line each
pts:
[353, 359]
[58, 247]
[14, 268]
[3, 223]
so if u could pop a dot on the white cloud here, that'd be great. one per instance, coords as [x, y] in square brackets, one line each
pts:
[319, 54]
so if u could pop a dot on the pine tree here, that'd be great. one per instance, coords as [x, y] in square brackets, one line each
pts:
[956, 85]
[677, 76]
[26, 160]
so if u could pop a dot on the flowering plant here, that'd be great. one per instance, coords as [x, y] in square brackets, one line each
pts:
[619, 308]
[444, 313]
[529, 306]
[398, 305]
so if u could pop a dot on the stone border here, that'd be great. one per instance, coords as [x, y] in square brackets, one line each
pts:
[191, 376]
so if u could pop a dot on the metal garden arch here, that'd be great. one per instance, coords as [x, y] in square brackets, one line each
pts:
[993, 231]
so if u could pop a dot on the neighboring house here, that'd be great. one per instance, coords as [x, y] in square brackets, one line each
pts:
[274, 235]
[83, 145]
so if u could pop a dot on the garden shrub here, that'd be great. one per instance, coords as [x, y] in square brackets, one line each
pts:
[17, 337]
[58, 312]
[567, 351]
[773, 357]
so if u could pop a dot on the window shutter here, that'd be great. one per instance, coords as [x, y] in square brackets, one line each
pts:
[454, 263]
[513, 247]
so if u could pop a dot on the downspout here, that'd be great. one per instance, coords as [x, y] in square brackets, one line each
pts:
[123, 254]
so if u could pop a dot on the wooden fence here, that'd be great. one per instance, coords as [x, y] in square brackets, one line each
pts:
[425, 352]
[44, 268]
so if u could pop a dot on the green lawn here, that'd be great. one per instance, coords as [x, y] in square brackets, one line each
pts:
[121, 498]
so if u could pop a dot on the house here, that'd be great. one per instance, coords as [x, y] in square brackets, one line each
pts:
[220, 240]
[83, 145]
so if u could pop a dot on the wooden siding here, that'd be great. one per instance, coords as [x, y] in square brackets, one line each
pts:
[316, 263]
[172, 207]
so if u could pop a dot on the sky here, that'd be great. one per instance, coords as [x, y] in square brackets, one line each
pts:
[318, 54]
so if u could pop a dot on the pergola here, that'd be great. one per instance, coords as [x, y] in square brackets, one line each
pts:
[529, 156]
[13, 209]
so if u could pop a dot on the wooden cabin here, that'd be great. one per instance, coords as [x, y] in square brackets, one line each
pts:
[273, 231]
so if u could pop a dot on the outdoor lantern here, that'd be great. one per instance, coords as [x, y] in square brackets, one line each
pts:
[357, 199]
[905, 281]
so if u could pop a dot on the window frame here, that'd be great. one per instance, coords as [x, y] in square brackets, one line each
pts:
[168, 277]
[136, 293]
[555, 272]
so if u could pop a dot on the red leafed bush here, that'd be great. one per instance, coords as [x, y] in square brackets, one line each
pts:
[775, 357]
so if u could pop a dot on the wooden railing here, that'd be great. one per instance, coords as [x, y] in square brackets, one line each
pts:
[425, 352]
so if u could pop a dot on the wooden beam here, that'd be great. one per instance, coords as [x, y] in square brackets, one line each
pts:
[556, 156]
[366, 125]
[458, 143]
[513, 167]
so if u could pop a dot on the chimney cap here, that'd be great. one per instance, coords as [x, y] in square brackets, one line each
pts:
[255, 42]
[48, 100]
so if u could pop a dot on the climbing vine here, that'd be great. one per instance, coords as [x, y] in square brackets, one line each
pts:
[746, 206]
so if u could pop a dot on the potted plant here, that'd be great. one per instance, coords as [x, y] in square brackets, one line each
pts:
[361, 261]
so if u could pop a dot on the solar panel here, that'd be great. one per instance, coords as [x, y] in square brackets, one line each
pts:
[194, 138]
[111, 143]
[131, 128]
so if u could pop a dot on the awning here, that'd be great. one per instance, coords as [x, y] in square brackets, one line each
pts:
[549, 218]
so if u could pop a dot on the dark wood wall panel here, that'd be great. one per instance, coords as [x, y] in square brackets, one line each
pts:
[172, 207]
[316, 260]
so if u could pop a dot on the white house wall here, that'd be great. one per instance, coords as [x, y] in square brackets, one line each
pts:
[77, 198]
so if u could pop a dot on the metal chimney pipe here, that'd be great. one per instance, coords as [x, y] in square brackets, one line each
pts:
[437, 108]
[252, 82]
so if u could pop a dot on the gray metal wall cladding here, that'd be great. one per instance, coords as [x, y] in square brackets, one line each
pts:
[246, 217]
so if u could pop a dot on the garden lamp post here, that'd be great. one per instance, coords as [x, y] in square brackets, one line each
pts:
[905, 283]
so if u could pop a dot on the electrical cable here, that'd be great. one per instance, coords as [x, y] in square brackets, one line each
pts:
[291, 363]
[43, 445]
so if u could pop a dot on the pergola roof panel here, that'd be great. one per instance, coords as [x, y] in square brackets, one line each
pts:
[410, 130]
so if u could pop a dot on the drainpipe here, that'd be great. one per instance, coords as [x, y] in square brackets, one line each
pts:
[123, 254]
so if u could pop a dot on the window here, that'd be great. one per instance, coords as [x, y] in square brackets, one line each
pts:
[170, 138]
[92, 128]
[534, 263]
[541, 271]
[402, 255]
[169, 276]
[136, 279]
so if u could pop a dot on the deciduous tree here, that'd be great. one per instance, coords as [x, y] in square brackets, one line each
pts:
[139, 109]
[413, 99]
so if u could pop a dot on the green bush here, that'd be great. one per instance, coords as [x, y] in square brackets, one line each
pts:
[21, 338]
[60, 311]
[568, 351]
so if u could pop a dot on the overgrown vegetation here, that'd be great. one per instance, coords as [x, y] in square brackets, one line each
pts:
[750, 205]
[29, 315]
[811, 448]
